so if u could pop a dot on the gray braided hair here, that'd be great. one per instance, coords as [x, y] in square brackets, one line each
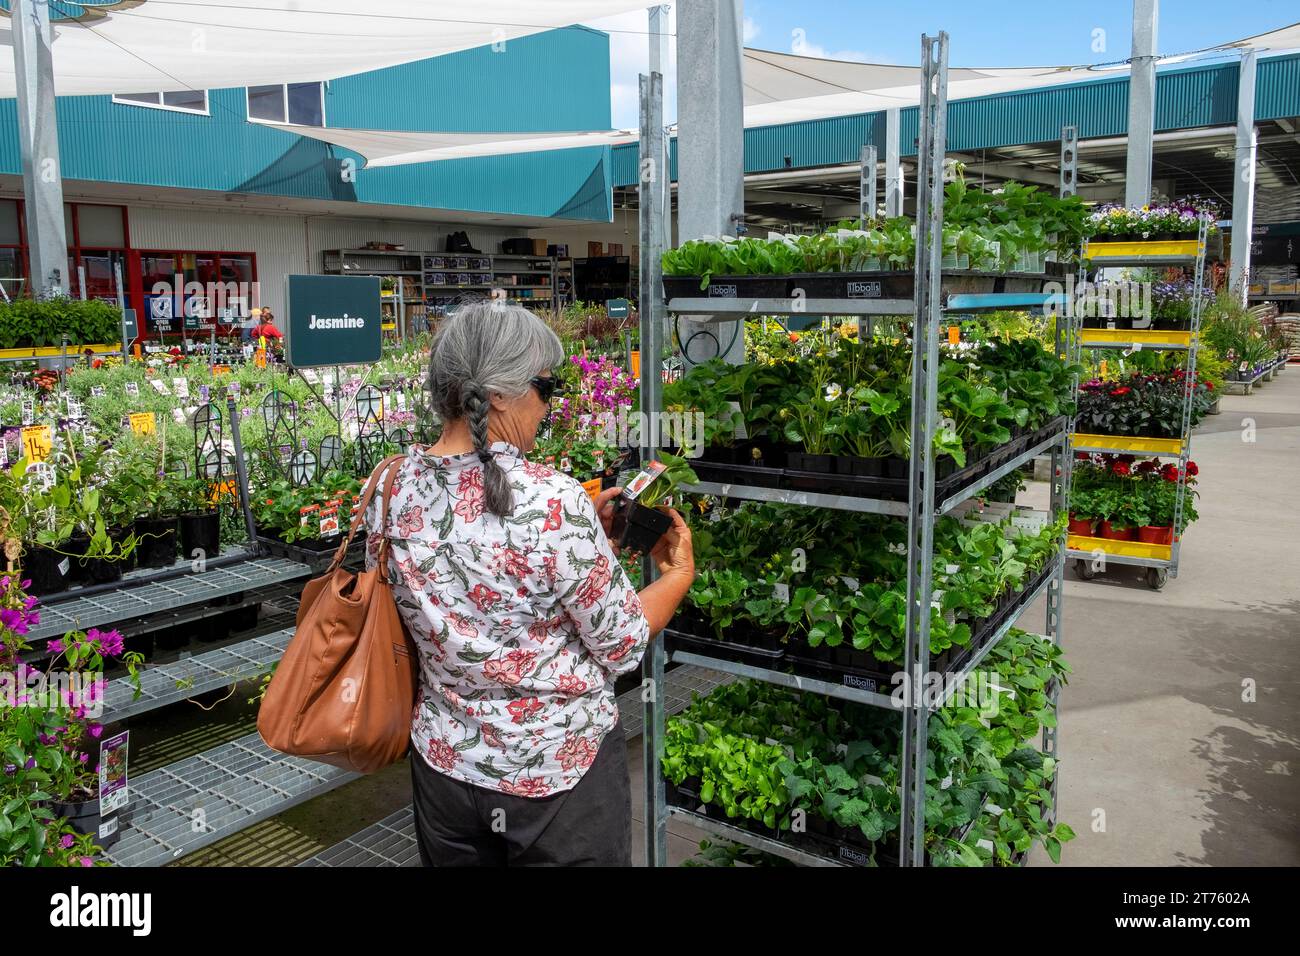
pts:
[488, 347]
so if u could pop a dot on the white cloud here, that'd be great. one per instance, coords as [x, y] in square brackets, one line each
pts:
[751, 30]
[802, 46]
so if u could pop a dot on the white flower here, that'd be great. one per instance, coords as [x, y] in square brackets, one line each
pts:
[833, 392]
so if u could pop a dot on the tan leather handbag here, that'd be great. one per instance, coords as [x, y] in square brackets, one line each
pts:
[345, 689]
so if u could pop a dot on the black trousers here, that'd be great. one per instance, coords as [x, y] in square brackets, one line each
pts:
[459, 824]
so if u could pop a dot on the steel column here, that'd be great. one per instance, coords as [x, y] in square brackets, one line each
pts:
[1069, 161]
[1243, 184]
[38, 137]
[653, 185]
[925, 389]
[893, 165]
[1141, 103]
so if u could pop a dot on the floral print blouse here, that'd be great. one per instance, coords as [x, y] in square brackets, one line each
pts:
[521, 622]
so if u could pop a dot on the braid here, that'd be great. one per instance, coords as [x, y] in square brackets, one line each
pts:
[496, 488]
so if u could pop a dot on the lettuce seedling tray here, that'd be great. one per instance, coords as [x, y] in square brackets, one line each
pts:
[878, 284]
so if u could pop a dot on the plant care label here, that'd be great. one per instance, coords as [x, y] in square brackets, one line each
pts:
[329, 523]
[181, 387]
[178, 415]
[307, 515]
[781, 592]
[29, 411]
[310, 375]
[160, 386]
[143, 423]
[112, 775]
[37, 442]
[566, 466]
[1030, 522]
[64, 567]
[233, 389]
[132, 389]
[74, 408]
[643, 480]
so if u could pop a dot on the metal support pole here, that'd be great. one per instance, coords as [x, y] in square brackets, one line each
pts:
[81, 283]
[241, 473]
[867, 185]
[652, 341]
[1243, 185]
[710, 140]
[1069, 161]
[38, 137]
[659, 54]
[925, 394]
[1141, 103]
[893, 165]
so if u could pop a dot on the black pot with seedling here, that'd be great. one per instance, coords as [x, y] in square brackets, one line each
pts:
[639, 521]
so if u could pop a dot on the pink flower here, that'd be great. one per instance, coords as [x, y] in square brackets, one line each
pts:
[85, 860]
[66, 841]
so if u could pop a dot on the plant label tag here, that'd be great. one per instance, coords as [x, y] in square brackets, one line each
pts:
[642, 481]
[851, 583]
[181, 387]
[204, 391]
[64, 566]
[178, 415]
[739, 418]
[143, 423]
[234, 390]
[132, 389]
[781, 592]
[29, 411]
[305, 515]
[329, 523]
[1030, 522]
[310, 375]
[74, 408]
[566, 465]
[97, 391]
[4, 451]
[248, 352]
[159, 386]
[1244, 366]
[112, 777]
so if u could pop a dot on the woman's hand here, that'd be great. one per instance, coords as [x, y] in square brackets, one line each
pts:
[675, 553]
[604, 503]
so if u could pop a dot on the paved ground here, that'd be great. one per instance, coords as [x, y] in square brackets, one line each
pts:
[1181, 727]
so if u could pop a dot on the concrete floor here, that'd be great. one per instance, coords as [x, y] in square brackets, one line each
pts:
[1167, 756]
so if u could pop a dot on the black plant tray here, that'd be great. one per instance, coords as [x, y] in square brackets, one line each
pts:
[863, 486]
[727, 287]
[309, 551]
[758, 651]
[880, 284]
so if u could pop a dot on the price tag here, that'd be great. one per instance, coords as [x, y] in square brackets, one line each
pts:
[37, 442]
[781, 592]
[181, 387]
[1102, 368]
[143, 423]
[160, 386]
[954, 334]
[259, 359]
[132, 389]
[97, 391]
[591, 487]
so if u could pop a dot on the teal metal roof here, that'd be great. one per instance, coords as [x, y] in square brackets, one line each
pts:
[1186, 97]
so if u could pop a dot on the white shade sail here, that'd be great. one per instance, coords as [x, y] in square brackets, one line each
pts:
[138, 46]
[400, 148]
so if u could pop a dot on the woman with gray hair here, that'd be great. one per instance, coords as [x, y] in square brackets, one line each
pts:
[523, 616]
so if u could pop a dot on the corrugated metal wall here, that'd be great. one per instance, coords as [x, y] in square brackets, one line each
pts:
[1185, 98]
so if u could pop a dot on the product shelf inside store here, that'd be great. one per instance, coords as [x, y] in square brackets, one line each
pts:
[727, 310]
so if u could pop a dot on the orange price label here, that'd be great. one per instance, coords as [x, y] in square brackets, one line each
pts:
[592, 487]
[1102, 369]
[954, 334]
[37, 442]
[259, 359]
[221, 370]
[143, 423]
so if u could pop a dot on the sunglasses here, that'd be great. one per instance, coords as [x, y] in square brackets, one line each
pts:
[546, 387]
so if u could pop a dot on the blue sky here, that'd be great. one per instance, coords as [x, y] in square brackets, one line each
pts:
[989, 33]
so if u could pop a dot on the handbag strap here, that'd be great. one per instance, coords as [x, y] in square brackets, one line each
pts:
[366, 497]
[382, 557]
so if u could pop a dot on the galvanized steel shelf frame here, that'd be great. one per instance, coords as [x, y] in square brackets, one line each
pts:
[1158, 568]
[928, 311]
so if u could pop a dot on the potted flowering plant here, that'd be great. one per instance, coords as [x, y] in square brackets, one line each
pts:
[49, 811]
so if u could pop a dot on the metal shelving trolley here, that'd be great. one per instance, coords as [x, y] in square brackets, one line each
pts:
[922, 507]
[1160, 560]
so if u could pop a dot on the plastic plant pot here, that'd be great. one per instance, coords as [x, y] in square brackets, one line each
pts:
[83, 816]
[1081, 526]
[802, 461]
[1111, 533]
[642, 527]
[859, 467]
[200, 532]
[47, 569]
[1156, 534]
[157, 547]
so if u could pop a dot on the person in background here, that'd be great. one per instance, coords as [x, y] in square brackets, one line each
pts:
[246, 328]
[266, 328]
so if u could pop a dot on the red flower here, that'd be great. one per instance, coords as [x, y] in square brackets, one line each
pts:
[470, 478]
[484, 597]
[528, 787]
[470, 507]
[1192, 470]
[1210, 386]
[524, 710]
[1146, 467]
[1121, 468]
[411, 520]
[576, 752]
[443, 755]
[1169, 472]
[1122, 390]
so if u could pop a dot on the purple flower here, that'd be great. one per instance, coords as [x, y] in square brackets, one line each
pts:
[30, 764]
[47, 740]
[96, 730]
[87, 861]
[83, 757]
[66, 841]
[55, 646]
[10, 769]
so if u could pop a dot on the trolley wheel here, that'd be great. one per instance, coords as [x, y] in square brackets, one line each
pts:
[1157, 578]
[1084, 570]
